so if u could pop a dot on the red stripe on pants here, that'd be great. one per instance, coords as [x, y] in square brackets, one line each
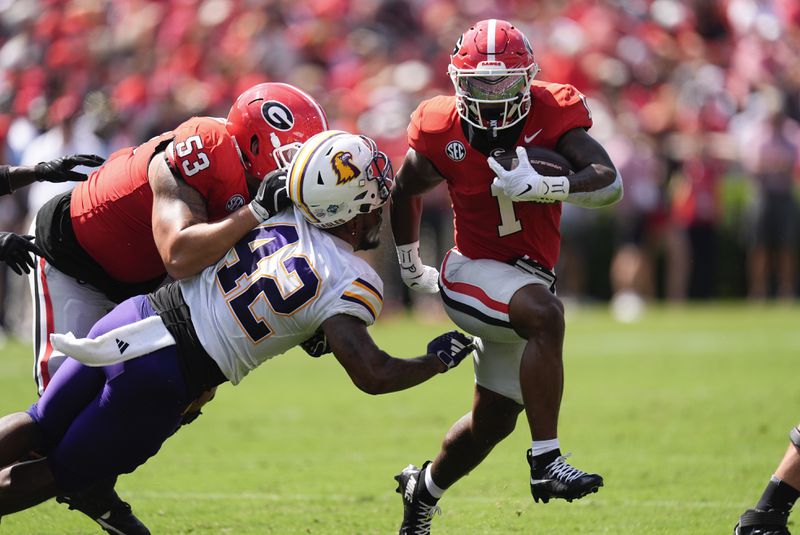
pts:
[48, 310]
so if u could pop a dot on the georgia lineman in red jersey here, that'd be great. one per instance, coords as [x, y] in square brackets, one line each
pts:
[172, 205]
[498, 282]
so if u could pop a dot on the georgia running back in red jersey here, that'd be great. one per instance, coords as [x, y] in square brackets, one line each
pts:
[488, 225]
[112, 212]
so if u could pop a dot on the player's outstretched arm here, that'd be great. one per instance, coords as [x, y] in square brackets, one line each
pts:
[416, 176]
[58, 170]
[185, 239]
[596, 181]
[376, 372]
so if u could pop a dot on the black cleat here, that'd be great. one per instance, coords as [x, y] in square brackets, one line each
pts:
[558, 479]
[417, 514]
[758, 522]
[102, 504]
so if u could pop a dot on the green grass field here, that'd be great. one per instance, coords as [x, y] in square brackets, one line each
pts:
[685, 413]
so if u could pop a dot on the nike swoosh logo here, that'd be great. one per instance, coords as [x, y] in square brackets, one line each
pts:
[537, 481]
[527, 189]
[527, 139]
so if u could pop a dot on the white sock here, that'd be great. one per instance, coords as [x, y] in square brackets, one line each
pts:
[543, 446]
[433, 488]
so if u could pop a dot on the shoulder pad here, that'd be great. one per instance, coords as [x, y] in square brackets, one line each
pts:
[203, 154]
[435, 115]
[553, 94]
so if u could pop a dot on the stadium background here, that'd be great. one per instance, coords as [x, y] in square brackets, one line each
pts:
[681, 93]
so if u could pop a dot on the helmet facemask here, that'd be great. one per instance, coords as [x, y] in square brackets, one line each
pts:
[380, 170]
[492, 96]
[283, 154]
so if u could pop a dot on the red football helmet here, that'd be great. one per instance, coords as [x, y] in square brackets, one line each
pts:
[269, 122]
[492, 67]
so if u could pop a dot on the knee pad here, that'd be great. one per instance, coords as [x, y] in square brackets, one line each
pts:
[794, 436]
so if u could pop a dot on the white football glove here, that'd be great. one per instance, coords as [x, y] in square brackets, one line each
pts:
[414, 273]
[524, 183]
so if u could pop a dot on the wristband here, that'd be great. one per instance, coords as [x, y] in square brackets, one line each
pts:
[258, 211]
[556, 188]
[408, 257]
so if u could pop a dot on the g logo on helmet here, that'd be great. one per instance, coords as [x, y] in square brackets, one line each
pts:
[277, 115]
[345, 169]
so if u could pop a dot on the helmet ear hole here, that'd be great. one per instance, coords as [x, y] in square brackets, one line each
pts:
[254, 145]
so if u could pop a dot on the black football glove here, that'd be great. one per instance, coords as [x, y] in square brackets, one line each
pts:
[317, 345]
[272, 196]
[451, 348]
[60, 169]
[15, 251]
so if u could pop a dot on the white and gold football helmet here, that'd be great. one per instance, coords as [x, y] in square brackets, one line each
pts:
[336, 176]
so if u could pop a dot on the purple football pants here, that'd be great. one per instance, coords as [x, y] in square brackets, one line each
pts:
[101, 422]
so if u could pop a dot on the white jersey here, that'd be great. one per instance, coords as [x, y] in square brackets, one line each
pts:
[272, 291]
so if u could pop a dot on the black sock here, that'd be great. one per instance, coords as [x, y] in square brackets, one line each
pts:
[778, 496]
[540, 461]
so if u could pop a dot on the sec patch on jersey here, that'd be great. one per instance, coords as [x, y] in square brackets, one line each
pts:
[546, 162]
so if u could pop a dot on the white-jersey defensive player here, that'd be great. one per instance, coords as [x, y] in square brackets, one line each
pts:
[152, 356]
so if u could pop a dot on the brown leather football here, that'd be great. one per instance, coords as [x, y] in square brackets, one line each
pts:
[547, 162]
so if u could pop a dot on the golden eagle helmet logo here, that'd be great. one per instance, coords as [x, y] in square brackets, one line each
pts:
[345, 169]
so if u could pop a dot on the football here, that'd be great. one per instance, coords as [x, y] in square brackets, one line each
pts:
[546, 162]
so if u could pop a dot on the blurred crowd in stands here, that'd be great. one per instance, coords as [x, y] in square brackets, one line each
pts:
[697, 101]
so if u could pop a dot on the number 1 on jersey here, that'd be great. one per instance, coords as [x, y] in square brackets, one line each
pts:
[509, 224]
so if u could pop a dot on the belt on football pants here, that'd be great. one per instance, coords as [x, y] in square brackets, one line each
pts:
[528, 265]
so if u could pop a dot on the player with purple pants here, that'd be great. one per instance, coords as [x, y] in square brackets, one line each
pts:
[140, 400]
[292, 278]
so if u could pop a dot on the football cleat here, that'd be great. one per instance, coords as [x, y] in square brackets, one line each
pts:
[102, 504]
[558, 479]
[417, 515]
[758, 522]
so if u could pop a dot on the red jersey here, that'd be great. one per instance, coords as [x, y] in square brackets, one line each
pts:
[112, 211]
[487, 223]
